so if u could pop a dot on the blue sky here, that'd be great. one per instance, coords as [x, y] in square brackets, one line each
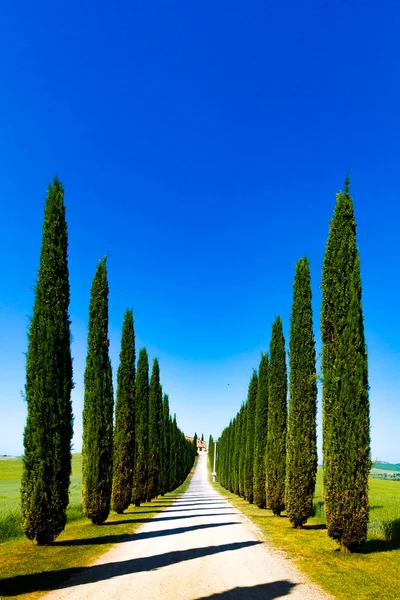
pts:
[201, 147]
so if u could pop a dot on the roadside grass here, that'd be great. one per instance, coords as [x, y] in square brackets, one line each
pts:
[28, 571]
[10, 506]
[373, 572]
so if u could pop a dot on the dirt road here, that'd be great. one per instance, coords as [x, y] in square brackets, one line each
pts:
[199, 548]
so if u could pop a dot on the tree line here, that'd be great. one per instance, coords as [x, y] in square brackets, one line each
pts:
[268, 452]
[130, 457]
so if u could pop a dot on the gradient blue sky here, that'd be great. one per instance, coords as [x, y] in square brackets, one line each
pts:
[201, 146]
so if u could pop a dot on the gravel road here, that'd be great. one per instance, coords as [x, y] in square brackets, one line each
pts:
[201, 547]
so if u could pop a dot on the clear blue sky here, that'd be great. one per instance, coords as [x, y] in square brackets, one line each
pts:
[201, 146]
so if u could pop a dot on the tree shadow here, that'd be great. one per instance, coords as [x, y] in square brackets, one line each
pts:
[371, 546]
[315, 526]
[65, 578]
[199, 508]
[264, 591]
[141, 535]
[155, 519]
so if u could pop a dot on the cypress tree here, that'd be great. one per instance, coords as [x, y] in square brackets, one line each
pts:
[276, 437]
[301, 466]
[235, 457]
[139, 493]
[211, 452]
[124, 435]
[195, 444]
[48, 430]
[164, 488]
[249, 452]
[242, 450]
[345, 382]
[97, 445]
[261, 430]
[154, 454]
[173, 454]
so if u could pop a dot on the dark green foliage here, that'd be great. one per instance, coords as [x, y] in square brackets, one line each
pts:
[97, 446]
[235, 454]
[124, 435]
[140, 474]
[165, 459]
[174, 454]
[195, 444]
[261, 430]
[301, 465]
[345, 382]
[48, 431]
[249, 453]
[242, 450]
[155, 415]
[276, 437]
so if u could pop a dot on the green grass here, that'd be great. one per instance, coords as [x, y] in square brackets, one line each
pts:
[10, 507]
[370, 574]
[28, 571]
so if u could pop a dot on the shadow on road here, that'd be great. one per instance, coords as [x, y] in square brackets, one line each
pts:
[65, 578]
[264, 591]
[166, 518]
[141, 535]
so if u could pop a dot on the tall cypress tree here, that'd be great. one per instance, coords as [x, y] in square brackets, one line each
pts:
[301, 466]
[242, 450]
[261, 430]
[124, 436]
[276, 437]
[165, 473]
[97, 446]
[154, 454]
[346, 440]
[139, 493]
[48, 431]
[173, 454]
[249, 452]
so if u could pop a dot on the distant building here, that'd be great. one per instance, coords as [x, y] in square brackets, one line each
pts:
[201, 446]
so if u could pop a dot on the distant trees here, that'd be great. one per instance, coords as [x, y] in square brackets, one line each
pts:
[124, 436]
[97, 445]
[48, 430]
[346, 441]
[261, 430]
[301, 468]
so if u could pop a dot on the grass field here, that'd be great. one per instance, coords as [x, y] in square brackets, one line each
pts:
[10, 509]
[28, 571]
[371, 574]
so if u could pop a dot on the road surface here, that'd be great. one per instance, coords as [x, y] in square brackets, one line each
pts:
[201, 547]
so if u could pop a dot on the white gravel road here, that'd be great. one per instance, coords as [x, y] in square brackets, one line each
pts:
[199, 548]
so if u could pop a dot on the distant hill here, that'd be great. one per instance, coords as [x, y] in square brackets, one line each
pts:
[385, 466]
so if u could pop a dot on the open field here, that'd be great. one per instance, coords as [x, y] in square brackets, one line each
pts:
[385, 470]
[370, 574]
[79, 544]
[10, 509]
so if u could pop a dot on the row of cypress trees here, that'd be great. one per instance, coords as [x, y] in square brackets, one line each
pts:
[268, 453]
[143, 456]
